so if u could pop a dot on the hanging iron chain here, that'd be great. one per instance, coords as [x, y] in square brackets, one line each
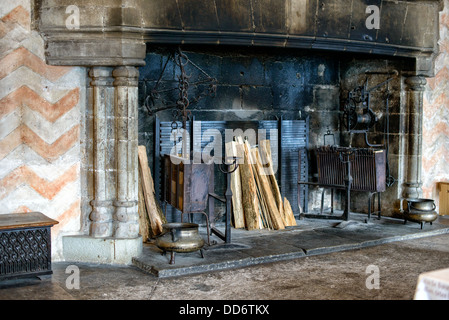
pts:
[181, 105]
[183, 87]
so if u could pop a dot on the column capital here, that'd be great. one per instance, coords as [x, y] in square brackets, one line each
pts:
[125, 76]
[100, 77]
[416, 83]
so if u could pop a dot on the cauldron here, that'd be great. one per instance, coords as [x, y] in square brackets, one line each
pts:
[421, 204]
[179, 237]
[420, 210]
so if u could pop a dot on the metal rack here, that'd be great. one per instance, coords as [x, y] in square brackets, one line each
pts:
[349, 169]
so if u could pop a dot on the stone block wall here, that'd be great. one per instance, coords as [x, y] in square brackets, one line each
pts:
[436, 117]
[40, 126]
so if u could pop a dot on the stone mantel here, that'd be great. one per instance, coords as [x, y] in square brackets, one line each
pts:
[114, 32]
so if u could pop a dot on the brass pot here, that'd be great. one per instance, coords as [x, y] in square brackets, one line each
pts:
[421, 211]
[429, 216]
[179, 237]
[421, 204]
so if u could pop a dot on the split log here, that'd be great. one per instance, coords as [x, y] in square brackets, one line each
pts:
[154, 212]
[264, 214]
[276, 218]
[249, 199]
[291, 221]
[236, 188]
[144, 221]
[267, 162]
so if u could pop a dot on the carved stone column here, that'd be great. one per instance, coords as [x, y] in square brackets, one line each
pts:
[114, 221]
[126, 216]
[102, 93]
[415, 89]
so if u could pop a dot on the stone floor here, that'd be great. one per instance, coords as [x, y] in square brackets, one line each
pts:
[311, 237]
[318, 260]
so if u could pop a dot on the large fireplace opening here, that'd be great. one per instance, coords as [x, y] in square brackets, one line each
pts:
[257, 84]
[272, 61]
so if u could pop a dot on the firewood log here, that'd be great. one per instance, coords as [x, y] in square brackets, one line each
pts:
[267, 161]
[153, 210]
[273, 210]
[291, 221]
[236, 188]
[249, 199]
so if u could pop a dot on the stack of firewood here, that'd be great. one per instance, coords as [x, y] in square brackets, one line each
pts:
[256, 199]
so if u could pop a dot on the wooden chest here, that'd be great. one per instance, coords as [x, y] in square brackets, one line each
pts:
[25, 244]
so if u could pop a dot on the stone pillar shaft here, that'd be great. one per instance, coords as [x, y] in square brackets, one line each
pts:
[126, 216]
[102, 92]
[415, 89]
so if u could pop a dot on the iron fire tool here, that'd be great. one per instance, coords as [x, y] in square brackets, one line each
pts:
[228, 166]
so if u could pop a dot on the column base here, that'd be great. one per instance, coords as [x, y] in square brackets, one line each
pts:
[82, 248]
[412, 191]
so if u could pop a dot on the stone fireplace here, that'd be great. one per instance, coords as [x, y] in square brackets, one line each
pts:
[286, 58]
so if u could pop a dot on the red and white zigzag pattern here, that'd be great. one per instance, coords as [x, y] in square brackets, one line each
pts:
[39, 125]
[436, 116]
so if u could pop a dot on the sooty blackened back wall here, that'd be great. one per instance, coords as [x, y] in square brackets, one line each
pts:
[257, 84]
[252, 84]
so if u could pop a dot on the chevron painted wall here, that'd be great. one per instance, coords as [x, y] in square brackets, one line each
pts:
[40, 127]
[436, 117]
